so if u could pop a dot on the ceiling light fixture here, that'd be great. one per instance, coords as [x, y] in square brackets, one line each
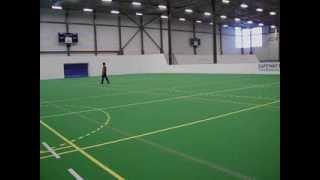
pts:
[207, 13]
[162, 7]
[243, 5]
[136, 3]
[188, 10]
[56, 7]
[164, 17]
[87, 10]
[225, 1]
[223, 17]
[272, 13]
[259, 10]
[114, 12]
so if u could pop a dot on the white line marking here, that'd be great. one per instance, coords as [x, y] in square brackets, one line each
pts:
[132, 92]
[188, 157]
[161, 100]
[51, 150]
[169, 128]
[75, 174]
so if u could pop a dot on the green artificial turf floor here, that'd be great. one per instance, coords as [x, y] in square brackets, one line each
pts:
[161, 127]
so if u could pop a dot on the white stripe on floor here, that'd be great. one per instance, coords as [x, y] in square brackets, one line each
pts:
[51, 150]
[75, 174]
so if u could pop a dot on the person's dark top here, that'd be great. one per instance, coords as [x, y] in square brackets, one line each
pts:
[104, 70]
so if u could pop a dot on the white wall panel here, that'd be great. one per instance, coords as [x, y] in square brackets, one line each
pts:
[107, 38]
[52, 15]
[85, 37]
[181, 42]
[149, 46]
[104, 18]
[80, 17]
[49, 37]
[134, 47]
[51, 66]
[206, 44]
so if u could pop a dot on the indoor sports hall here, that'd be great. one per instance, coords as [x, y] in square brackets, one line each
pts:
[159, 89]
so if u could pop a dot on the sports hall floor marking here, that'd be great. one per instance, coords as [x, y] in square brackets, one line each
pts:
[160, 100]
[75, 174]
[216, 100]
[84, 153]
[128, 92]
[81, 98]
[105, 124]
[51, 150]
[169, 128]
[231, 95]
[234, 102]
[63, 145]
[187, 156]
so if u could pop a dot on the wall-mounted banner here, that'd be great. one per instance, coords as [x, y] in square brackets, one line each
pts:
[269, 67]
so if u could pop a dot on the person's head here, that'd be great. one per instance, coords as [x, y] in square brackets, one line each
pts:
[104, 64]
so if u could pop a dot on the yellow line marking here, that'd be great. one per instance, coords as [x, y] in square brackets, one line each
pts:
[170, 128]
[84, 153]
[234, 102]
[160, 100]
[129, 92]
[74, 140]
[219, 100]
[186, 156]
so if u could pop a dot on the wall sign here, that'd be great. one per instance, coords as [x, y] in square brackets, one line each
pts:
[269, 67]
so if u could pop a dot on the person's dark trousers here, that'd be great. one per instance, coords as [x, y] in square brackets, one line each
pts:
[104, 76]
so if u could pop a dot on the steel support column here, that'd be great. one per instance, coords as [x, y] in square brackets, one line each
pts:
[278, 46]
[169, 31]
[161, 36]
[214, 33]
[251, 50]
[220, 36]
[67, 29]
[95, 34]
[141, 34]
[194, 36]
[120, 35]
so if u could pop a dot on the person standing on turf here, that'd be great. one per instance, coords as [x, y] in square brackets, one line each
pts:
[104, 73]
